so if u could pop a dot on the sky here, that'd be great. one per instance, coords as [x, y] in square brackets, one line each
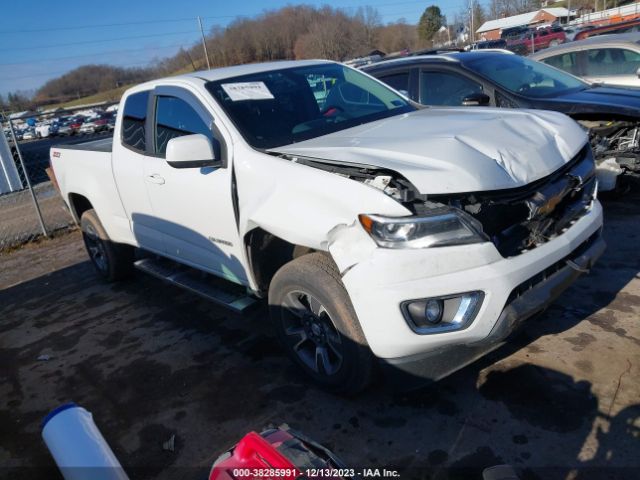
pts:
[42, 39]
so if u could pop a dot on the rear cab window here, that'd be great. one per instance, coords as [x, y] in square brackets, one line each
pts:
[134, 116]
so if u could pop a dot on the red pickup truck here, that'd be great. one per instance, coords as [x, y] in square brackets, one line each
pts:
[535, 40]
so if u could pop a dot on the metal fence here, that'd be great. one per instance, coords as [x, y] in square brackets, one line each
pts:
[30, 205]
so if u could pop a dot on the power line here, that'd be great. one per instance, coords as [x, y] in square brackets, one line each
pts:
[107, 52]
[96, 41]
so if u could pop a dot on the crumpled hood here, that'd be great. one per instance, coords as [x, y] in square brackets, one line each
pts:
[455, 150]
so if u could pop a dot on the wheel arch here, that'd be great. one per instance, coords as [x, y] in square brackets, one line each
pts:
[267, 253]
[79, 204]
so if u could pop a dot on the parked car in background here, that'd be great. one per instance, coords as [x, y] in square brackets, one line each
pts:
[75, 124]
[95, 125]
[513, 32]
[46, 130]
[415, 238]
[503, 79]
[500, 43]
[64, 128]
[610, 59]
[572, 31]
[537, 39]
[620, 27]
[29, 134]
[87, 127]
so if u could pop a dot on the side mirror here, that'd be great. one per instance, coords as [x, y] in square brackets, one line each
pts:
[476, 100]
[191, 151]
[638, 73]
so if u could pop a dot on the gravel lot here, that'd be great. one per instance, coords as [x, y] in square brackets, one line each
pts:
[562, 401]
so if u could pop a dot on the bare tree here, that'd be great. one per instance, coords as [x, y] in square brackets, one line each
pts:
[398, 36]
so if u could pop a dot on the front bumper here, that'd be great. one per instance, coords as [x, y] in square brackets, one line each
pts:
[383, 279]
[439, 363]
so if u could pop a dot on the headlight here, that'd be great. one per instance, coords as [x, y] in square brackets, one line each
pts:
[443, 227]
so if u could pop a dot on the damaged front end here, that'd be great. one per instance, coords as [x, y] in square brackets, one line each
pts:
[520, 219]
[514, 220]
[615, 140]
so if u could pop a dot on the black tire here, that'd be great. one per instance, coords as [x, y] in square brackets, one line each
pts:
[317, 325]
[113, 261]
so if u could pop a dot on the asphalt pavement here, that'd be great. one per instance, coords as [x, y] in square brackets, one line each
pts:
[561, 401]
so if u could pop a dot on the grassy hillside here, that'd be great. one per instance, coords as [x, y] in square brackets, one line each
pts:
[111, 95]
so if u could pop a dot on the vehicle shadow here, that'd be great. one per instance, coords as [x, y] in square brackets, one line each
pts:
[557, 430]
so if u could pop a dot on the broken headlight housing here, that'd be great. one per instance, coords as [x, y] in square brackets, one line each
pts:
[442, 227]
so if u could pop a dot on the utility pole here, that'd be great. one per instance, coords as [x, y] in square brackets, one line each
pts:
[204, 44]
[471, 30]
[568, 11]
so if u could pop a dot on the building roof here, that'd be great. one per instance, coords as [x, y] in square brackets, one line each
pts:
[519, 20]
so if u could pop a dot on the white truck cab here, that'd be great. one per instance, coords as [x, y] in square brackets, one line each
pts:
[379, 231]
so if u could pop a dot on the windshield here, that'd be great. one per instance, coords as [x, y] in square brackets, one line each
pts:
[280, 107]
[524, 76]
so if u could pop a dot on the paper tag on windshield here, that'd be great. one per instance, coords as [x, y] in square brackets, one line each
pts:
[247, 91]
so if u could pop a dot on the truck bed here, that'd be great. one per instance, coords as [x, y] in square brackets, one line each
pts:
[101, 145]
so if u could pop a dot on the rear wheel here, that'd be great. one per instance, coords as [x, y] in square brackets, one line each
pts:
[317, 325]
[113, 261]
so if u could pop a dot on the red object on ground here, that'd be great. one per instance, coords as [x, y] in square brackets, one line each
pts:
[278, 454]
[253, 454]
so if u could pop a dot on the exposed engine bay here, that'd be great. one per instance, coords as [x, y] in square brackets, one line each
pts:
[515, 220]
[615, 139]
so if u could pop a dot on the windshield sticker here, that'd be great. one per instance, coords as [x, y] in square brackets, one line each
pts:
[247, 91]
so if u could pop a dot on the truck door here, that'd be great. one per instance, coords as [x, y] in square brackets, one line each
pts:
[129, 156]
[193, 207]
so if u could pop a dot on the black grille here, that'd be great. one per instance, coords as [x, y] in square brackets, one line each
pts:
[521, 219]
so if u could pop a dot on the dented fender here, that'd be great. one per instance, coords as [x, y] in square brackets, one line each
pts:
[303, 205]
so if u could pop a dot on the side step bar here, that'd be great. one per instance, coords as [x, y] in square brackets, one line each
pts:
[212, 288]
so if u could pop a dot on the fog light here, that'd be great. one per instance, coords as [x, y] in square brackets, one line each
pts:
[442, 314]
[433, 310]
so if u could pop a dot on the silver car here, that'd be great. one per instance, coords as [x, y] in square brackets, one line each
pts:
[612, 59]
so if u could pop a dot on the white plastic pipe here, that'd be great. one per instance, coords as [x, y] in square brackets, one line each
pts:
[78, 447]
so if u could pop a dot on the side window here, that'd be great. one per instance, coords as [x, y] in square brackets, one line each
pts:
[176, 118]
[399, 81]
[567, 62]
[133, 120]
[443, 88]
[612, 61]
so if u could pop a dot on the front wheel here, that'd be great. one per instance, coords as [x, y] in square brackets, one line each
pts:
[317, 325]
[113, 261]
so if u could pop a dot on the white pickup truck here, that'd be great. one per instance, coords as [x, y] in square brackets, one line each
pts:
[382, 233]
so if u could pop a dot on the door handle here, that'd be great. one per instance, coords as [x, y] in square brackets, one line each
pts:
[155, 178]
